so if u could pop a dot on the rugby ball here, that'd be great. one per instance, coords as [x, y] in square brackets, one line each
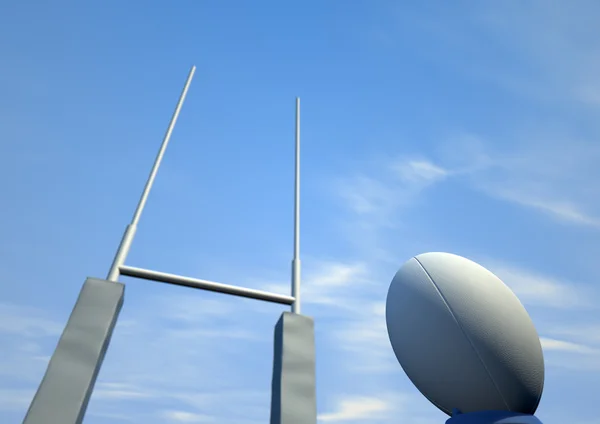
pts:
[463, 337]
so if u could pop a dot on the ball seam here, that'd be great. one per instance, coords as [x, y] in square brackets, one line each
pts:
[463, 332]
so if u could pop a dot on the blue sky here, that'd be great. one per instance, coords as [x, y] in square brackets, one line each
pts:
[438, 126]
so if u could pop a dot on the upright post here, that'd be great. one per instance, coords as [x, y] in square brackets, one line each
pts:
[293, 393]
[65, 390]
[123, 250]
[296, 258]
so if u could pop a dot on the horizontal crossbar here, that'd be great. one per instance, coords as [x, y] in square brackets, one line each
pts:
[195, 283]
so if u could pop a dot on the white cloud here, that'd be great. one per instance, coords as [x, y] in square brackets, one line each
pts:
[191, 308]
[364, 338]
[588, 364]
[365, 195]
[26, 321]
[186, 417]
[357, 409]
[582, 332]
[25, 334]
[15, 399]
[571, 356]
[336, 274]
[549, 174]
[539, 290]
[556, 38]
[330, 283]
[383, 407]
[120, 391]
[541, 51]
[373, 201]
[391, 184]
[566, 346]
[562, 210]
[112, 416]
[538, 50]
[419, 172]
[574, 347]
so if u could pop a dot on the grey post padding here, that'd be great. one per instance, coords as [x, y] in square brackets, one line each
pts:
[65, 391]
[293, 397]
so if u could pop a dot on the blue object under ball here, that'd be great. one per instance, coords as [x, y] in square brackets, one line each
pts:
[492, 417]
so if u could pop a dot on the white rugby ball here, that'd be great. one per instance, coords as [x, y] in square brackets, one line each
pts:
[463, 337]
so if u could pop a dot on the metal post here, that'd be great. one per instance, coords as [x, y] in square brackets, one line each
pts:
[195, 283]
[293, 388]
[296, 259]
[129, 234]
[64, 393]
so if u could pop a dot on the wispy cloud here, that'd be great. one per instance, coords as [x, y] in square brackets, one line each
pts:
[15, 399]
[364, 338]
[330, 283]
[549, 174]
[113, 416]
[419, 173]
[374, 199]
[565, 346]
[556, 39]
[358, 409]
[390, 185]
[186, 417]
[536, 50]
[560, 209]
[383, 407]
[551, 177]
[571, 356]
[365, 195]
[27, 321]
[26, 333]
[120, 391]
[541, 52]
[540, 290]
[585, 333]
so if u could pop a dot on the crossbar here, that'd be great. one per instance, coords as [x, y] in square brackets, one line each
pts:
[179, 280]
